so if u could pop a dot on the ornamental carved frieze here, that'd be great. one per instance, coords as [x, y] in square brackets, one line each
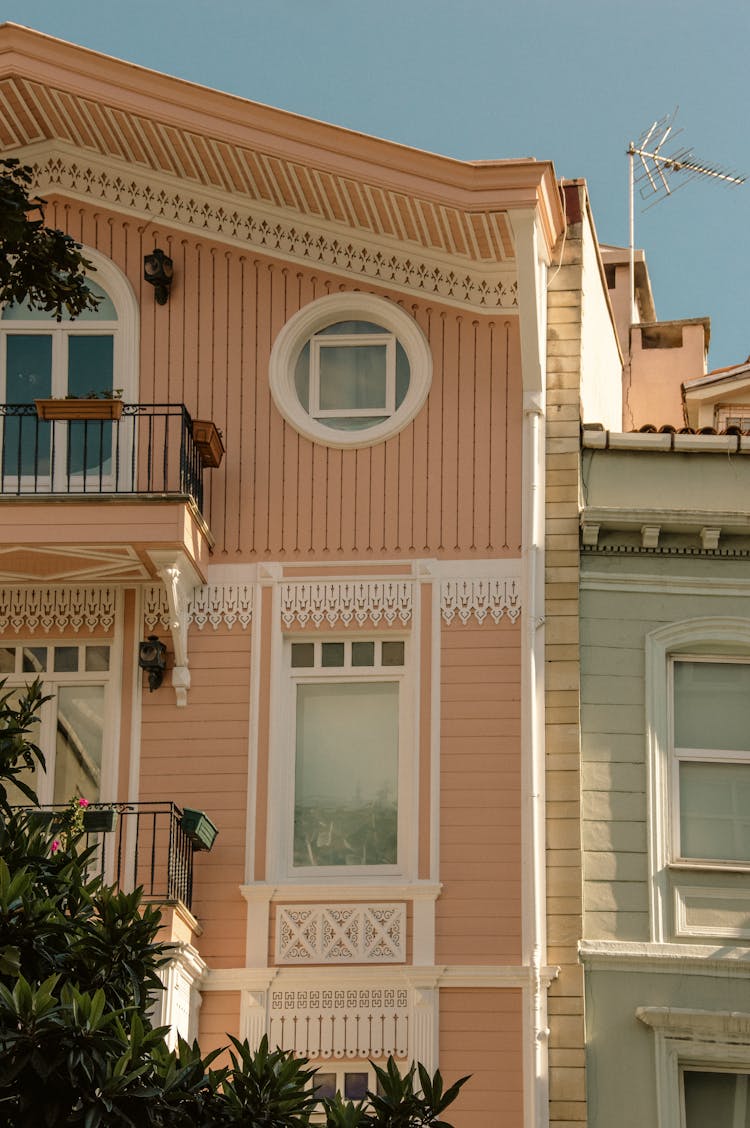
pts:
[212, 604]
[477, 598]
[332, 1022]
[346, 603]
[57, 608]
[299, 241]
[340, 934]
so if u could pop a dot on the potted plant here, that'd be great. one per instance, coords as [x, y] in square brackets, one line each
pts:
[93, 405]
[198, 828]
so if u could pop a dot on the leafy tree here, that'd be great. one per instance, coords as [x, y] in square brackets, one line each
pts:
[79, 967]
[38, 264]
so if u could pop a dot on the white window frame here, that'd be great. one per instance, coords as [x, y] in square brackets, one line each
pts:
[44, 734]
[282, 793]
[709, 639]
[717, 1041]
[318, 315]
[353, 340]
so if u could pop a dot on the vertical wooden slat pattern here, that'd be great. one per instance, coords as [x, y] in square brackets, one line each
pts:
[433, 489]
[219, 1015]
[197, 757]
[479, 912]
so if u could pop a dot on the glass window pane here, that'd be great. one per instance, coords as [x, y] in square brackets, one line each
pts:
[355, 1086]
[392, 654]
[66, 659]
[303, 655]
[34, 659]
[712, 705]
[349, 327]
[332, 654]
[26, 440]
[353, 377]
[104, 312]
[29, 775]
[90, 364]
[715, 811]
[346, 776]
[7, 659]
[97, 659]
[712, 1099]
[78, 749]
[325, 1086]
[363, 654]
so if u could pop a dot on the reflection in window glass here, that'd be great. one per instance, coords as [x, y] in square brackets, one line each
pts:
[78, 749]
[26, 440]
[355, 1086]
[97, 659]
[712, 705]
[332, 654]
[346, 775]
[715, 811]
[392, 654]
[29, 775]
[7, 659]
[715, 1099]
[303, 655]
[325, 1085]
[363, 654]
[34, 659]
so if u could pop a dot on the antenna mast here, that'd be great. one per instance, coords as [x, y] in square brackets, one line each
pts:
[657, 170]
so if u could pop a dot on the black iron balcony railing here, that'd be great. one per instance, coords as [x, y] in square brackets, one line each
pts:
[138, 844]
[149, 450]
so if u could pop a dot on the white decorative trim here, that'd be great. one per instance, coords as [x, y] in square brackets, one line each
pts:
[664, 584]
[642, 956]
[213, 604]
[328, 1021]
[57, 608]
[740, 899]
[477, 598]
[727, 1026]
[475, 976]
[178, 1005]
[340, 934]
[346, 603]
[190, 207]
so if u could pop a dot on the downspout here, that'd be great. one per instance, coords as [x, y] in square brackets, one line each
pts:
[532, 301]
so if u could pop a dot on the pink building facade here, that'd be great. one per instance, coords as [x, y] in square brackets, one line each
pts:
[350, 601]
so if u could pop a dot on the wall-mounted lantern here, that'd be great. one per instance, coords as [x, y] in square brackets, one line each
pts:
[152, 657]
[158, 270]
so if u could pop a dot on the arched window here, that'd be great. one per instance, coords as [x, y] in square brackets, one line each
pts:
[40, 358]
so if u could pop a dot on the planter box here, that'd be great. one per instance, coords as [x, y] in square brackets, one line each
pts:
[199, 829]
[99, 820]
[52, 409]
[208, 441]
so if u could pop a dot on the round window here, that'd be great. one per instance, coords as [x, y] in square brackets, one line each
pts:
[350, 370]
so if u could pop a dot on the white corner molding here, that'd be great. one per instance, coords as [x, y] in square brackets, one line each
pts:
[211, 605]
[346, 603]
[179, 1003]
[478, 598]
[57, 608]
[340, 933]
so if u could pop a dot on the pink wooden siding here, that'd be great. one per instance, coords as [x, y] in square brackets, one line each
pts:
[479, 912]
[480, 1034]
[446, 486]
[198, 758]
[219, 1016]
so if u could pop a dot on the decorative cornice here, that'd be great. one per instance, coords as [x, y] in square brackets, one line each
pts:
[215, 604]
[725, 1026]
[479, 598]
[190, 207]
[346, 603]
[57, 608]
[681, 959]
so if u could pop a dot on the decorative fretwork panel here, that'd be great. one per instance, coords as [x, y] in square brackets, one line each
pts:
[480, 598]
[57, 608]
[340, 934]
[346, 603]
[213, 603]
[356, 1022]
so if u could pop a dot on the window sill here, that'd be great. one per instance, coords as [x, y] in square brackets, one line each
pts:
[361, 891]
[709, 867]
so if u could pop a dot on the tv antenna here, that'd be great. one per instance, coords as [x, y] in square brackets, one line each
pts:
[661, 172]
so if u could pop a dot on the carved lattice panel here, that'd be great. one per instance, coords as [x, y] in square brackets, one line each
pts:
[326, 1022]
[341, 934]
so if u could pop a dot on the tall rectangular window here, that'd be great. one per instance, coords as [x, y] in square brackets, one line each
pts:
[347, 752]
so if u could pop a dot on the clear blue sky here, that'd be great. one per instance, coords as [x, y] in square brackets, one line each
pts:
[572, 81]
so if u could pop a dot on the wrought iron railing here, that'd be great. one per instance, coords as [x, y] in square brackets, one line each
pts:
[149, 450]
[138, 844]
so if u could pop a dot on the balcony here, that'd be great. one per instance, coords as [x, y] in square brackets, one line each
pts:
[139, 844]
[86, 499]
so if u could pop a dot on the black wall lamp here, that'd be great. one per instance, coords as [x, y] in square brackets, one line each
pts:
[158, 270]
[152, 657]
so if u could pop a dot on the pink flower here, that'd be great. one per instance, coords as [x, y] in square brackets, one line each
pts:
[55, 846]
[83, 803]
